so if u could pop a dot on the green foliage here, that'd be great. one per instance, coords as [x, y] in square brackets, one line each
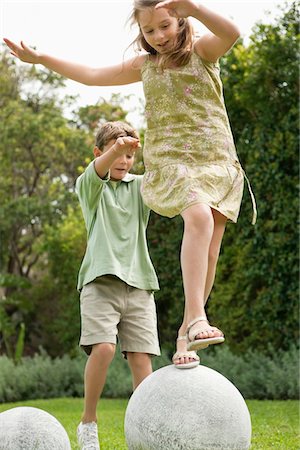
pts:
[42, 232]
[20, 344]
[39, 154]
[6, 329]
[91, 116]
[41, 376]
[256, 375]
[256, 293]
[59, 305]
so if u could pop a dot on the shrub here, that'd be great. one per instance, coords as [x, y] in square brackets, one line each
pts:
[256, 375]
[43, 377]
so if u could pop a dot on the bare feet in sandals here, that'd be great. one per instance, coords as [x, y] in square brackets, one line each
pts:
[201, 334]
[184, 359]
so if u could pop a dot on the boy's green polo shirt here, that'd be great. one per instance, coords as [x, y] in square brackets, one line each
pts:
[116, 219]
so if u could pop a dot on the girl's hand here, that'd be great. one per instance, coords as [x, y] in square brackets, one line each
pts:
[178, 8]
[126, 145]
[23, 52]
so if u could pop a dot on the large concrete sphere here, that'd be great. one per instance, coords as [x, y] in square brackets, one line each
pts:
[192, 409]
[26, 428]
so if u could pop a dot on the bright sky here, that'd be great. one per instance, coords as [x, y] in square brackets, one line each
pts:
[95, 33]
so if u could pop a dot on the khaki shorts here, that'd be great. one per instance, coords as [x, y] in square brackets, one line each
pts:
[110, 308]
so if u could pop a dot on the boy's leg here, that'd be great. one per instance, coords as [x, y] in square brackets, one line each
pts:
[99, 302]
[138, 333]
[94, 378]
[140, 365]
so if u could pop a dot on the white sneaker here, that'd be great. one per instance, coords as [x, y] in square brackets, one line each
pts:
[87, 435]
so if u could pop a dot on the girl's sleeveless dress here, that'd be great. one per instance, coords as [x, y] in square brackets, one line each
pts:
[189, 152]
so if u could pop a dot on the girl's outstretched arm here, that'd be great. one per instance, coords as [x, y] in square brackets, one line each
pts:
[224, 32]
[124, 73]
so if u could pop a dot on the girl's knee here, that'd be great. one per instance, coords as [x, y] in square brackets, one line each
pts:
[198, 219]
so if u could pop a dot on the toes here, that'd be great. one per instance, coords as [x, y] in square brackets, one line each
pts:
[191, 359]
[203, 335]
[187, 360]
[184, 360]
[181, 360]
[216, 332]
[210, 333]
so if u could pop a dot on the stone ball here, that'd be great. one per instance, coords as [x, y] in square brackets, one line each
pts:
[27, 428]
[192, 409]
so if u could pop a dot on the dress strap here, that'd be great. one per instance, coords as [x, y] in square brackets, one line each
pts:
[239, 167]
[254, 216]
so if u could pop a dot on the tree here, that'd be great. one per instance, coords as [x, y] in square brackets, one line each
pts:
[41, 155]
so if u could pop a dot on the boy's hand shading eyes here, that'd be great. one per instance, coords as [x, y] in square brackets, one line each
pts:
[126, 145]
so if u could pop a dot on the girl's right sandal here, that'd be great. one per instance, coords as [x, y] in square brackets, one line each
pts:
[200, 344]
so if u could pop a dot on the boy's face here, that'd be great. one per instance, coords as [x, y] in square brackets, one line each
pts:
[121, 166]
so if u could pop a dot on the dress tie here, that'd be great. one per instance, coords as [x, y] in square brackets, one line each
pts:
[237, 164]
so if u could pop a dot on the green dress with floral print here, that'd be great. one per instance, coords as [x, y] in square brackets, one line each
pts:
[189, 152]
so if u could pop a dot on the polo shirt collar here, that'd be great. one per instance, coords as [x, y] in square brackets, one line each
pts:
[128, 177]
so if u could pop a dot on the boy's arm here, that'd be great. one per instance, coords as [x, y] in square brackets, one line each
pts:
[224, 32]
[89, 185]
[88, 189]
[125, 73]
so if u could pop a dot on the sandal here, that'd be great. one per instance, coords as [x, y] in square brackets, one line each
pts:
[199, 344]
[186, 354]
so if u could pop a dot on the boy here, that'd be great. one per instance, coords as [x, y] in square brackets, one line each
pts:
[116, 278]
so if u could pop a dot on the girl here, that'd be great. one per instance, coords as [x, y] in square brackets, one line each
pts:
[191, 165]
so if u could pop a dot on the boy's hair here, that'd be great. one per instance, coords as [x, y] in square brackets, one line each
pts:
[183, 48]
[113, 130]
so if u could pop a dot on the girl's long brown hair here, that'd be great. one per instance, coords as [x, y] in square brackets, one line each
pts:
[182, 50]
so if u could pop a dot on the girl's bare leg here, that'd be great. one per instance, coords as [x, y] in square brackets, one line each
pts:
[197, 236]
[203, 232]
[214, 251]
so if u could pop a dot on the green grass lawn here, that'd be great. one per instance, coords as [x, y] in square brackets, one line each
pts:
[275, 424]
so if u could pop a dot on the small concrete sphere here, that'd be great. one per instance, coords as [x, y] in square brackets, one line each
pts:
[27, 428]
[191, 409]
